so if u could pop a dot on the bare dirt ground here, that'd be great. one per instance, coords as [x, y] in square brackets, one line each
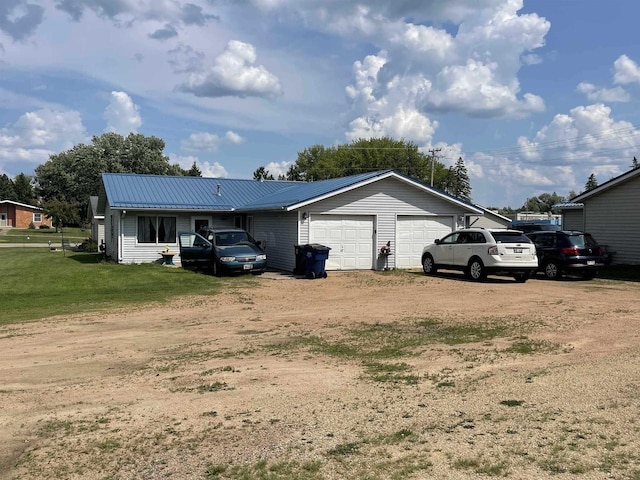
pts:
[364, 375]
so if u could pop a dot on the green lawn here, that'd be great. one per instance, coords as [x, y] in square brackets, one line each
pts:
[29, 235]
[37, 283]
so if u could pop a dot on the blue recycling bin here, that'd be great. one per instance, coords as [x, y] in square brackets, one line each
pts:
[310, 260]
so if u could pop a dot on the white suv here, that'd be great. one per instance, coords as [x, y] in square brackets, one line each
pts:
[479, 251]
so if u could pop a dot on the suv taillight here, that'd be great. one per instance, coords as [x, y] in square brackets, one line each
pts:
[571, 251]
[600, 251]
[493, 250]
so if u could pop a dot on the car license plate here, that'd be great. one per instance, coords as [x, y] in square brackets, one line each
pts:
[248, 266]
[517, 250]
[591, 262]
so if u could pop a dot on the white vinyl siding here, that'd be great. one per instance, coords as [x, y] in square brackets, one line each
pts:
[414, 233]
[385, 199]
[573, 220]
[278, 233]
[350, 238]
[613, 218]
[131, 251]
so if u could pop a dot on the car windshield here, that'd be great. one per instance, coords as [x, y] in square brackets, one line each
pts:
[510, 237]
[225, 239]
[582, 240]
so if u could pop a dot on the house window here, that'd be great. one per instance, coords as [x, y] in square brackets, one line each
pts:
[37, 217]
[152, 229]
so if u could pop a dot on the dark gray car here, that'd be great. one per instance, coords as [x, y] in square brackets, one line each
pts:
[568, 252]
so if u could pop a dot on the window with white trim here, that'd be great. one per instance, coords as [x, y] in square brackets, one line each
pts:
[156, 229]
[37, 217]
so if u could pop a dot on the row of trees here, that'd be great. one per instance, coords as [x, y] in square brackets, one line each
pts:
[544, 202]
[367, 155]
[63, 185]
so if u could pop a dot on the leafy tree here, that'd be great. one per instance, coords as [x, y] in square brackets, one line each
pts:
[461, 186]
[194, 171]
[366, 155]
[62, 213]
[542, 203]
[262, 173]
[7, 190]
[592, 182]
[74, 175]
[24, 191]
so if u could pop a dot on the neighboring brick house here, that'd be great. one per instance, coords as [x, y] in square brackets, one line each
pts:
[19, 215]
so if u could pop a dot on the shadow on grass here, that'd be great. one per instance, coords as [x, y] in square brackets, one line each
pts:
[86, 257]
[626, 273]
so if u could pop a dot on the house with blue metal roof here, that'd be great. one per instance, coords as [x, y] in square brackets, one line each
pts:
[355, 216]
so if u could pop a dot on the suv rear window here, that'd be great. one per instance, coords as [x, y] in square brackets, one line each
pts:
[510, 237]
[582, 240]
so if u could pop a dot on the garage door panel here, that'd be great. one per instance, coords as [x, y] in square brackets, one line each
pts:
[414, 232]
[349, 237]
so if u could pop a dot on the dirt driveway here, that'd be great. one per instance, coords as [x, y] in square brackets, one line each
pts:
[364, 375]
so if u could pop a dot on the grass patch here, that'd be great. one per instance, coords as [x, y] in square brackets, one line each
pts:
[82, 282]
[344, 450]
[44, 235]
[527, 346]
[482, 466]
[376, 345]
[512, 403]
[213, 387]
[264, 470]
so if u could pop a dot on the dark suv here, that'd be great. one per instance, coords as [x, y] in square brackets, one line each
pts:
[568, 252]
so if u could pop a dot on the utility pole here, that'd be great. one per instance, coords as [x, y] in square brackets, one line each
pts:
[433, 153]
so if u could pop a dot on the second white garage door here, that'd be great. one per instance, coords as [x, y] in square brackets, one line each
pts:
[414, 232]
[350, 238]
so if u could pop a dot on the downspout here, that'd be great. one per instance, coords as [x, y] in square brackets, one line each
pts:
[121, 235]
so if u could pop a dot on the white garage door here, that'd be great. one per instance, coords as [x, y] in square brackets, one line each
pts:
[350, 238]
[414, 232]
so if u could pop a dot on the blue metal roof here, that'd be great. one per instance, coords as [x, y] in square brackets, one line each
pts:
[127, 190]
[303, 192]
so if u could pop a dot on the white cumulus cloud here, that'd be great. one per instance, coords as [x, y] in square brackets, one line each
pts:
[209, 142]
[605, 95]
[35, 135]
[234, 74]
[122, 115]
[625, 71]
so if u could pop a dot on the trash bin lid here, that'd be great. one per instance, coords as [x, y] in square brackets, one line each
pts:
[318, 247]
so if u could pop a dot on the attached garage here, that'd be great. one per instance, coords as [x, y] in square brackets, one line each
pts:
[416, 231]
[357, 216]
[350, 238]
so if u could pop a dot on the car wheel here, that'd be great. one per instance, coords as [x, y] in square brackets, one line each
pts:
[552, 271]
[428, 265]
[476, 270]
[522, 277]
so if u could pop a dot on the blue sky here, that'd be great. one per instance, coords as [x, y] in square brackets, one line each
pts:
[534, 95]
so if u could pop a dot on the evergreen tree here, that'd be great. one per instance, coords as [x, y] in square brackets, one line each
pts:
[592, 182]
[24, 190]
[262, 173]
[461, 185]
[634, 163]
[194, 171]
[7, 190]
